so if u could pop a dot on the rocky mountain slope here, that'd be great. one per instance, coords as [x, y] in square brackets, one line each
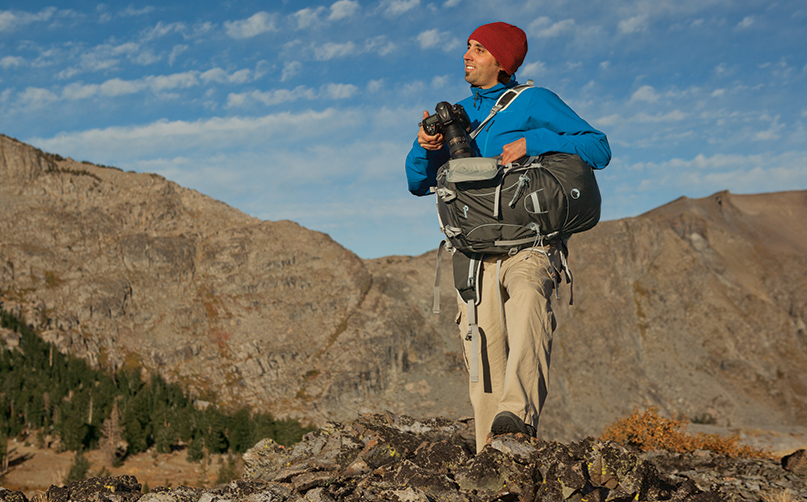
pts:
[697, 307]
[385, 457]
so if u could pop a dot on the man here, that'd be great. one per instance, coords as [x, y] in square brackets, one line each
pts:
[514, 313]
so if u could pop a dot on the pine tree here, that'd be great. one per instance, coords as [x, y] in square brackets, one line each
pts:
[216, 431]
[79, 469]
[72, 425]
[228, 470]
[196, 448]
[241, 431]
[137, 422]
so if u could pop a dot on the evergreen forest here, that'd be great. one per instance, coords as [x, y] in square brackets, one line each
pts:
[62, 401]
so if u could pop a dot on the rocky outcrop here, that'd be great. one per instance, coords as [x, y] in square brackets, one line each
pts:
[796, 462]
[697, 307]
[385, 457]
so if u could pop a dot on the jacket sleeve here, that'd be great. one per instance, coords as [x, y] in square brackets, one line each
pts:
[552, 126]
[421, 168]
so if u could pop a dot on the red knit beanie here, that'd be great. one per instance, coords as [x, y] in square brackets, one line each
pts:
[506, 42]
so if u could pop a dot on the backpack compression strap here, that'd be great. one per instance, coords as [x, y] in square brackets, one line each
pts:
[466, 281]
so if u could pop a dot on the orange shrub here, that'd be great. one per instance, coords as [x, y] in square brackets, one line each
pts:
[648, 431]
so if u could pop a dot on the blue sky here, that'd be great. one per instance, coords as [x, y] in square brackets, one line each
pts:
[306, 110]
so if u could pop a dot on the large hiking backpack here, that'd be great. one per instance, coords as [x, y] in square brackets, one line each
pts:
[488, 208]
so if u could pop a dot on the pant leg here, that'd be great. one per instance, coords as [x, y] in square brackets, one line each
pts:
[514, 361]
[530, 323]
[492, 353]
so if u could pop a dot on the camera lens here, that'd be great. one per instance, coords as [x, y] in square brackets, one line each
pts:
[459, 145]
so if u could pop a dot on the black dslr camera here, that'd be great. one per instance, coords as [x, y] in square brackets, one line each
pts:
[453, 123]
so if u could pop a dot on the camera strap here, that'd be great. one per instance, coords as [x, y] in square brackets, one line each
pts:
[503, 102]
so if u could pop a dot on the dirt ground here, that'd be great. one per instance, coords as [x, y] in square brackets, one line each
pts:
[34, 470]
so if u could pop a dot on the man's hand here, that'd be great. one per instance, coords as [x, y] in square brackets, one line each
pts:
[429, 142]
[514, 151]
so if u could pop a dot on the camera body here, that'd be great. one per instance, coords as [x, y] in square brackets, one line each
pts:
[453, 123]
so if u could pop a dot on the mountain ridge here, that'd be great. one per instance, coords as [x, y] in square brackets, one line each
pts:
[128, 269]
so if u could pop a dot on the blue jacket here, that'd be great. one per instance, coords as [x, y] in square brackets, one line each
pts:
[538, 115]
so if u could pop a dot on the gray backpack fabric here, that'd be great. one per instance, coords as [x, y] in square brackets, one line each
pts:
[492, 209]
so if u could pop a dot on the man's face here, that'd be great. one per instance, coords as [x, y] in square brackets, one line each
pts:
[481, 68]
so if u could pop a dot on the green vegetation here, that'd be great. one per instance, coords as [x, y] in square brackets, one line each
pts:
[79, 469]
[46, 393]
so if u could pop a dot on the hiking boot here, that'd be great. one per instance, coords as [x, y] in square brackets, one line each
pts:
[508, 423]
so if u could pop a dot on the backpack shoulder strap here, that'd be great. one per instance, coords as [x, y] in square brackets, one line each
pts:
[502, 103]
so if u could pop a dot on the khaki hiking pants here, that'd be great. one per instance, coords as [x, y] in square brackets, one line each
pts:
[516, 323]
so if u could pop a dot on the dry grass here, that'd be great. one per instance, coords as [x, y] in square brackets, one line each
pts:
[648, 431]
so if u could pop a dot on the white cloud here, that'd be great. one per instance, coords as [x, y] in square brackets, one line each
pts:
[11, 62]
[634, 24]
[290, 70]
[395, 8]
[331, 91]
[146, 141]
[129, 11]
[340, 91]
[220, 76]
[331, 50]
[772, 133]
[378, 85]
[155, 83]
[182, 80]
[270, 98]
[10, 21]
[543, 27]
[673, 116]
[257, 24]
[240, 77]
[429, 39]
[441, 81]
[380, 45]
[645, 93]
[76, 91]
[609, 120]
[746, 22]
[118, 87]
[162, 29]
[100, 58]
[442, 40]
[308, 17]
[35, 97]
[146, 58]
[176, 51]
[343, 9]
[533, 70]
